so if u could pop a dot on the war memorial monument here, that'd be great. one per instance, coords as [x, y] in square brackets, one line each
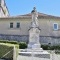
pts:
[34, 46]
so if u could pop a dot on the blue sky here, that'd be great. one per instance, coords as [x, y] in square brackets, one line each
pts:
[20, 7]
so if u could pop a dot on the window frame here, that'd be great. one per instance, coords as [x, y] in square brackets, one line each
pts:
[18, 25]
[54, 26]
[11, 24]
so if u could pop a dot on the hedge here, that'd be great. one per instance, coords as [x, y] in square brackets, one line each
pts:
[3, 50]
[22, 45]
[6, 41]
[47, 47]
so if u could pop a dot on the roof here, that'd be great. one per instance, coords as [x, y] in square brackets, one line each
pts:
[40, 15]
[29, 15]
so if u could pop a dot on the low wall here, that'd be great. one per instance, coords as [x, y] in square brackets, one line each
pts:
[53, 40]
[25, 38]
[22, 38]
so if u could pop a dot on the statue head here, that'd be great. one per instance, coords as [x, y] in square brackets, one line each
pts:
[34, 10]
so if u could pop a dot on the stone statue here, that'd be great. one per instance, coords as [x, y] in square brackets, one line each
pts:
[34, 32]
[34, 18]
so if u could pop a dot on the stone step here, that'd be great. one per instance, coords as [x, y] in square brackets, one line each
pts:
[35, 54]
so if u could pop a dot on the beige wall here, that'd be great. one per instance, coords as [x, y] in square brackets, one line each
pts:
[46, 26]
[5, 27]
[55, 32]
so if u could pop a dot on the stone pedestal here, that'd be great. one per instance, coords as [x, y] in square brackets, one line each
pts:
[34, 38]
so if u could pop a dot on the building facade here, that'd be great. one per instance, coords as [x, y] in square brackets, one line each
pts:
[17, 28]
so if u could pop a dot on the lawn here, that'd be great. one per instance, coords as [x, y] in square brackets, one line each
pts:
[6, 50]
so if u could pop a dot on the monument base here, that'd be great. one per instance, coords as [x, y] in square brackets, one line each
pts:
[34, 50]
[33, 46]
[35, 53]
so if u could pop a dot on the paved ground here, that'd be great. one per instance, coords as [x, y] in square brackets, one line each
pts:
[29, 58]
[53, 57]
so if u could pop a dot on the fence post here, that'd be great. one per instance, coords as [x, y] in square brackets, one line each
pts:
[14, 53]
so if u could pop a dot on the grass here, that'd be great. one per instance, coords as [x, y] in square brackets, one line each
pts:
[5, 48]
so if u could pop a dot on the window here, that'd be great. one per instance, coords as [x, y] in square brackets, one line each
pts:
[55, 26]
[18, 25]
[11, 25]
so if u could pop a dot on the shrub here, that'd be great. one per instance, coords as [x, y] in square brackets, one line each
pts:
[56, 47]
[47, 47]
[22, 45]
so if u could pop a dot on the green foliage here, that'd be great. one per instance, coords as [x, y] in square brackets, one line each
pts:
[47, 47]
[6, 41]
[13, 42]
[56, 47]
[3, 41]
[4, 49]
[22, 45]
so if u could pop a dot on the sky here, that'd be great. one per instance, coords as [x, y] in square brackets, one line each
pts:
[21, 7]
